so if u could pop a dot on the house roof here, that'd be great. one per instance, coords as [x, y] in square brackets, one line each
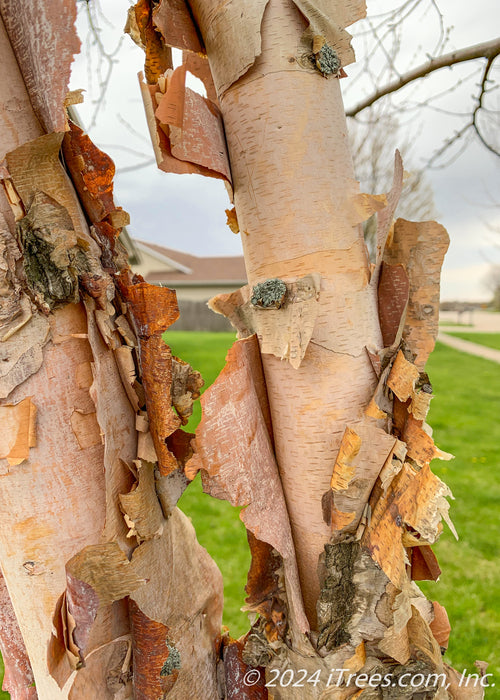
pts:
[194, 269]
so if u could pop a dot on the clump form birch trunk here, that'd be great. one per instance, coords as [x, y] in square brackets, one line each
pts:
[316, 424]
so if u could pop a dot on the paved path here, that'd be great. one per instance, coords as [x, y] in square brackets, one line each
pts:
[480, 321]
[471, 348]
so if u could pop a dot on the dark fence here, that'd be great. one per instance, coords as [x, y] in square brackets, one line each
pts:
[196, 316]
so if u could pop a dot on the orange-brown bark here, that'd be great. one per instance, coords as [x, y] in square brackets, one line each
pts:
[343, 362]
[85, 386]
[316, 424]
[305, 227]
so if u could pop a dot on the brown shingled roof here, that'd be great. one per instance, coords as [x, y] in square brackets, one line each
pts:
[210, 270]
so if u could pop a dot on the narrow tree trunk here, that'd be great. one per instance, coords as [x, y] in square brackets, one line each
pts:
[293, 181]
[91, 451]
[337, 404]
[53, 505]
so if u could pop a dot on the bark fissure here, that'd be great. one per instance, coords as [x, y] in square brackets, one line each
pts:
[335, 603]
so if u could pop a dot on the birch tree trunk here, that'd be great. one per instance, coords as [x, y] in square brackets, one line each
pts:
[316, 424]
[322, 437]
[94, 554]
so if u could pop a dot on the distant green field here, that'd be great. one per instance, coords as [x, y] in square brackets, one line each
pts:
[491, 340]
[464, 416]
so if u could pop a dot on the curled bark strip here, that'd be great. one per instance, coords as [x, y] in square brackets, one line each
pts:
[266, 594]
[186, 386]
[232, 37]
[46, 73]
[284, 331]
[186, 129]
[201, 140]
[238, 462]
[386, 216]
[156, 363]
[424, 564]
[414, 499]
[263, 577]
[107, 672]
[174, 20]
[403, 377]
[393, 465]
[150, 654]
[18, 678]
[161, 144]
[421, 446]
[142, 31]
[116, 419]
[153, 308]
[113, 253]
[409, 640]
[440, 625]
[380, 405]
[92, 172]
[193, 614]
[90, 614]
[327, 20]
[171, 487]
[105, 570]
[408, 383]
[422, 642]
[170, 110]
[362, 454]
[420, 248]
[457, 689]
[143, 513]
[393, 292]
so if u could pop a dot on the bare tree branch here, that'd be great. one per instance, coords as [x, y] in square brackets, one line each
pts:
[487, 49]
[479, 106]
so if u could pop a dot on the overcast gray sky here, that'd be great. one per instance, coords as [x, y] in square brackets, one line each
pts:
[186, 212]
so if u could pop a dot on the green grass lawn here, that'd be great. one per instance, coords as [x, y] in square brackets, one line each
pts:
[3, 694]
[464, 416]
[491, 340]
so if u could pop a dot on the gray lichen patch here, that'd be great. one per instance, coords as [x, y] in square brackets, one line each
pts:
[335, 605]
[326, 58]
[52, 255]
[327, 61]
[270, 294]
[172, 662]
